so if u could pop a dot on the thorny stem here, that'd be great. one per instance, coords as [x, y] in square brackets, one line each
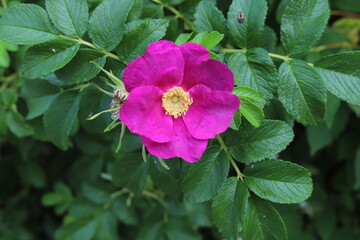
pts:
[345, 14]
[106, 53]
[223, 146]
[177, 14]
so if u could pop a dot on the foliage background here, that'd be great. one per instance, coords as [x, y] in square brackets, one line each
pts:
[68, 191]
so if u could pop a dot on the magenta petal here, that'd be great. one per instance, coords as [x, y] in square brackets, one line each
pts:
[211, 112]
[182, 145]
[143, 114]
[201, 69]
[162, 65]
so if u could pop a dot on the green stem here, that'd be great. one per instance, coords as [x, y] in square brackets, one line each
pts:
[177, 14]
[223, 146]
[106, 53]
[105, 111]
[4, 4]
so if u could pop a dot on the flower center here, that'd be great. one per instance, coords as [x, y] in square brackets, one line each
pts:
[176, 102]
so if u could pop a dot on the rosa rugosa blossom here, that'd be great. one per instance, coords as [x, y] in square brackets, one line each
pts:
[179, 98]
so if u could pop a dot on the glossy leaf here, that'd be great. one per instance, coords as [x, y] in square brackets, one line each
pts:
[228, 207]
[302, 92]
[47, 57]
[206, 176]
[255, 144]
[279, 181]
[209, 18]
[107, 23]
[247, 34]
[26, 24]
[302, 24]
[69, 16]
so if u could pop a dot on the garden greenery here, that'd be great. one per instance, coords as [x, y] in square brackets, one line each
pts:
[285, 165]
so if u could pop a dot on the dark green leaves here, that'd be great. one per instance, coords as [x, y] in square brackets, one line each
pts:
[206, 176]
[26, 24]
[209, 18]
[106, 26]
[279, 181]
[138, 35]
[303, 23]
[228, 208]
[302, 92]
[60, 117]
[255, 69]
[247, 34]
[341, 75]
[254, 144]
[69, 16]
[263, 222]
[47, 57]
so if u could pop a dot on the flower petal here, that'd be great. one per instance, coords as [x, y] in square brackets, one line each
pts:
[143, 114]
[201, 69]
[182, 144]
[211, 111]
[162, 65]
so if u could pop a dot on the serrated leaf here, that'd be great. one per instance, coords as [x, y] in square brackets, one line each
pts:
[279, 181]
[17, 125]
[255, 69]
[263, 222]
[206, 176]
[302, 92]
[107, 23]
[26, 24]
[341, 75]
[64, 107]
[69, 16]
[247, 34]
[138, 35]
[303, 23]
[269, 39]
[228, 207]
[208, 40]
[209, 18]
[47, 57]
[80, 68]
[254, 144]
[130, 171]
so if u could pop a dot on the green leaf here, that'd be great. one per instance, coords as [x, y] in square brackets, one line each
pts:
[341, 75]
[47, 57]
[64, 108]
[39, 94]
[249, 33]
[255, 69]
[80, 69]
[52, 199]
[269, 39]
[69, 16]
[8, 97]
[107, 23]
[209, 18]
[81, 228]
[357, 170]
[124, 213]
[208, 40]
[26, 24]
[279, 181]
[228, 207]
[236, 120]
[17, 125]
[254, 144]
[130, 171]
[4, 57]
[302, 92]
[302, 24]
[263, 222]
[138, 35]
[206, 176]
[252, 112]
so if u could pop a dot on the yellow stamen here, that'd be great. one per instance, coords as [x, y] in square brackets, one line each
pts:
[176, 102]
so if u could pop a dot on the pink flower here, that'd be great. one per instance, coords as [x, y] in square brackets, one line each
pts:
[179, 97]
